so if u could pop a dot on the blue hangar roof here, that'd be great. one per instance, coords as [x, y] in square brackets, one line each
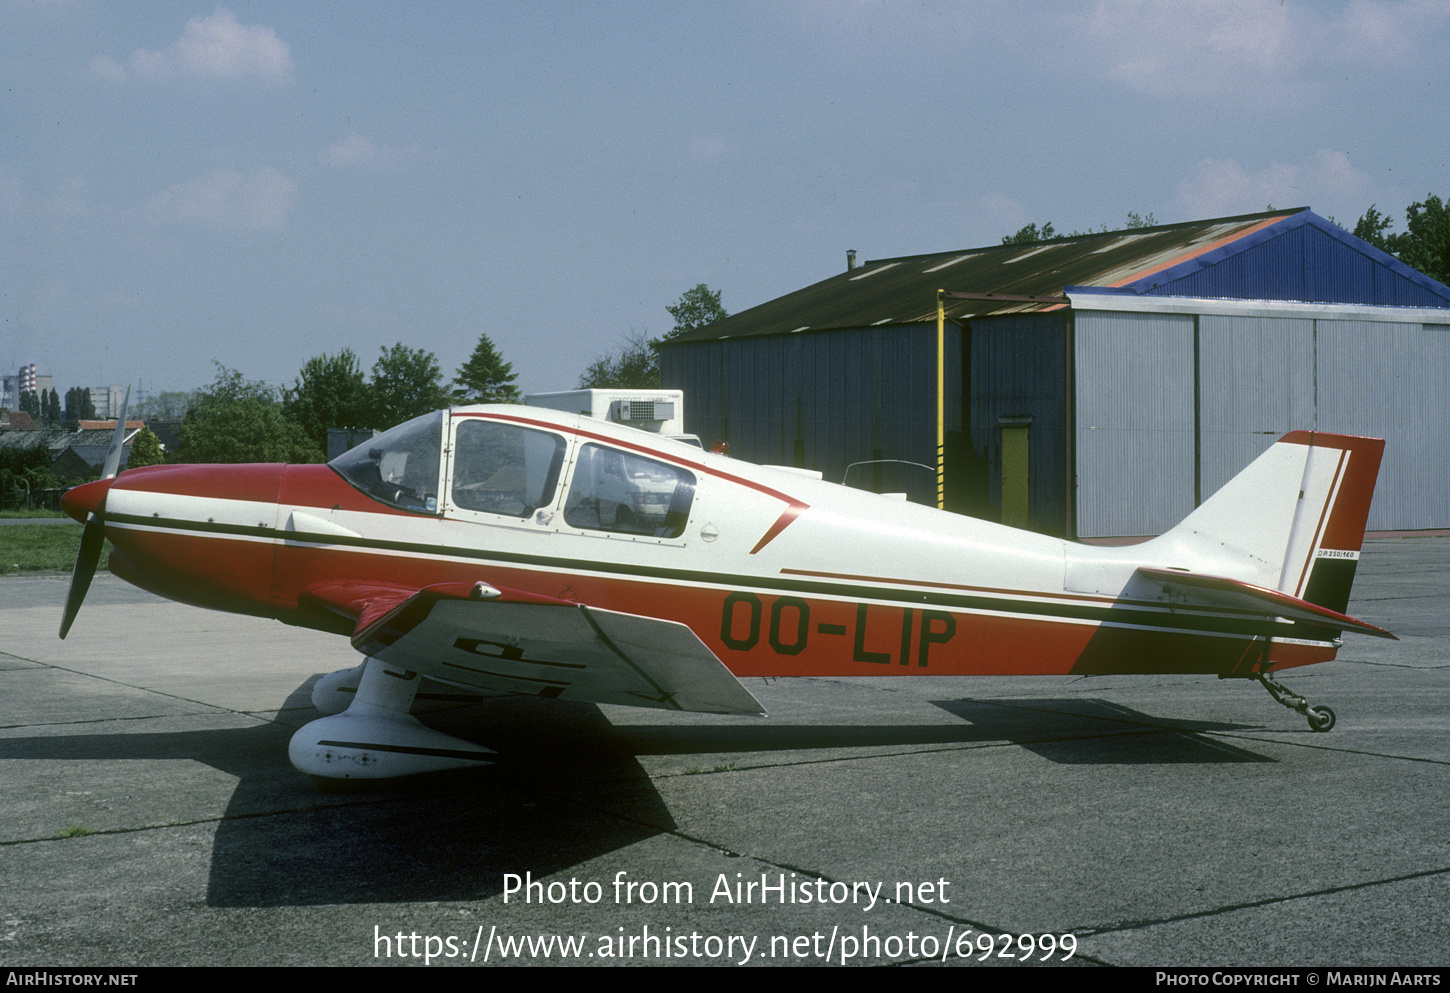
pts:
[1285, 255]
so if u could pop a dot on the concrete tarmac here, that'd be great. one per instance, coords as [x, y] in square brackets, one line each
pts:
[149, 816]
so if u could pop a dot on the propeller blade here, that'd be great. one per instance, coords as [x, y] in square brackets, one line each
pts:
[88, 556]
[93, 538]
[113, 456]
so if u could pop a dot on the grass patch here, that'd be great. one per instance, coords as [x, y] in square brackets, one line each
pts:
[76, 831]
[38, 512]
[41, 547]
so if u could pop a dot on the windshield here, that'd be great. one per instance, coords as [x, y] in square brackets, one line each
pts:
[399, 466]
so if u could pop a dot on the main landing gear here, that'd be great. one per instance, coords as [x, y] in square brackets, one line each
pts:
[376, 737]
[1319, 718]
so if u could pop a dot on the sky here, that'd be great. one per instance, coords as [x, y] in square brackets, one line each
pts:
[255, 184]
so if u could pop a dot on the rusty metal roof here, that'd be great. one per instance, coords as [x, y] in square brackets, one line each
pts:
[998, 279]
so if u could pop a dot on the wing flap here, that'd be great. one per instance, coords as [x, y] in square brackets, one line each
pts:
[1220, 591]
[553, 648]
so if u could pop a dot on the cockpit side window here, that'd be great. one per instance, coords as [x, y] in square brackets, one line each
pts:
[399, 466]
[503, 468]
[626, 494]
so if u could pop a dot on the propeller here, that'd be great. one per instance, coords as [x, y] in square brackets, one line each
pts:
[93, 538]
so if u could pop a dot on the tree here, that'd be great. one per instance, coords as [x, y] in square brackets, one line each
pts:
[634, 367]
[24, 472]
[406, 382]
[145, 450]
[78, 404]
[1372, 226]
[330, 392]
[30, 404]
[485, 377]
[239, 420]
[50, 407]
[167, 405]
[1029, 234]
[1032, 233]
[1425, 246]
[695, 309]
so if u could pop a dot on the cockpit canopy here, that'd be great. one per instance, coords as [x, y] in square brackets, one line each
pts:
[513, 470]
[399, 466]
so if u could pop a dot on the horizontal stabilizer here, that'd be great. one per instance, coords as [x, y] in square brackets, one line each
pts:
[1218, 591]
[556, 649]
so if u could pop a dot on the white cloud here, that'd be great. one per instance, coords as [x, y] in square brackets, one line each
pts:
[107, 68]
[215, 47]
[1383, 32]
[1187, 47]
[873, 30]
[228, 200]
[1002, 213]
[712, 148]
[1221, 187]
[70, 198]
[357, 152]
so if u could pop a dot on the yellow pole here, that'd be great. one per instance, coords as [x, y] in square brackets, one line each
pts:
[941, 401]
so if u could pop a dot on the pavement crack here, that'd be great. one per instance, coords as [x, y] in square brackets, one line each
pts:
[1331, 748]
[1397, 665]
[1232, 908]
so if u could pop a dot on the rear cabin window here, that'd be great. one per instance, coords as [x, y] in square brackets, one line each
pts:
[505, 469]
[627, 494]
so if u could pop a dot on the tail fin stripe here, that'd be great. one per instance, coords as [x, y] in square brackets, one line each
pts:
[1324, 515]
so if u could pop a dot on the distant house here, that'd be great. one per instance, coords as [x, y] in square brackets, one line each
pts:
[166, 433]
[92, 444]
[102, 425]
[69, 466]
[74, 454]
[16, 420]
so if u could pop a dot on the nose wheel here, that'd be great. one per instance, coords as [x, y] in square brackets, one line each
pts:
[1319, 718]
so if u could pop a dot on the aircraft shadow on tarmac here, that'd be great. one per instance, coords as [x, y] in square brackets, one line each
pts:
[559, 794]
[1077, 731]
[1073, 731]
[567, 787]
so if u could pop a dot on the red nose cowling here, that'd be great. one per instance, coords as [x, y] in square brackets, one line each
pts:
[199, 534]
[85, 499]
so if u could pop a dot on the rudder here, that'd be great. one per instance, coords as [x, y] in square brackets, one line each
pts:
[1340, 473]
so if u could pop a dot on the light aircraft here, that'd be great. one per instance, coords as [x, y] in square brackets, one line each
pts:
[516, 549]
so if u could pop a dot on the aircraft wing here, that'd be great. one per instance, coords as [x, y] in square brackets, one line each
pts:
[1219, 591]
[514, 642]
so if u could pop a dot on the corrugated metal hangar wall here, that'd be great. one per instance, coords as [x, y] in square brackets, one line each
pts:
[1171, 406]
[824, 401]
[1140, 370]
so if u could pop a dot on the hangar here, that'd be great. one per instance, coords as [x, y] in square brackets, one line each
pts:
[1096, 385]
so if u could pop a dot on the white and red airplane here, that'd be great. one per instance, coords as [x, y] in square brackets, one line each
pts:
[516, 549]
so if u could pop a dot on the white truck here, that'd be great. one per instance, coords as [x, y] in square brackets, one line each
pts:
[656, 411]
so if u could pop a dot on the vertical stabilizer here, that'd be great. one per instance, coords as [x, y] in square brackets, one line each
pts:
[1293, 521]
